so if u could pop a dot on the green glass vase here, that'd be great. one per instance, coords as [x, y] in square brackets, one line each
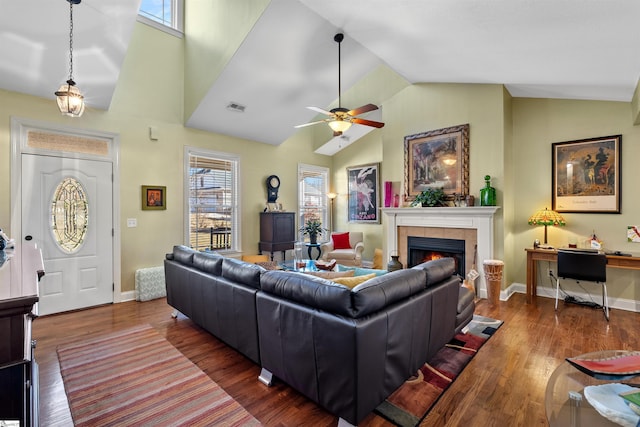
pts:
[488, 193]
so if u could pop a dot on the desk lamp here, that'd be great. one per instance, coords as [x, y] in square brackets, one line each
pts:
[546, 217]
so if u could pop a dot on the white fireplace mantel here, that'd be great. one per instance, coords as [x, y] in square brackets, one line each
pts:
[479, 218]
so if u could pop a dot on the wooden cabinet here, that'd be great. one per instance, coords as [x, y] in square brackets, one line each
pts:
[18, 368]
[277, 232]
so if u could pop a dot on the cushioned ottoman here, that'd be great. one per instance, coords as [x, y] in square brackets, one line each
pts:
[466, 307]
[150, 284]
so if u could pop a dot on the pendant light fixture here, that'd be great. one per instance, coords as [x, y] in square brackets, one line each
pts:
[339, 124]
[70, 100]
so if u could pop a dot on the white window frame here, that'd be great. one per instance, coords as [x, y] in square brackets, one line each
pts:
[177, 20]
[323, 199]
[236, 232]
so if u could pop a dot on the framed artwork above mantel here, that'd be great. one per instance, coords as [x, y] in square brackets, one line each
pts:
[437, 159]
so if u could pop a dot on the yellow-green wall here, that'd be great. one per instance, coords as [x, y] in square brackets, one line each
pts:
[423, 107]
[510, 139]
[150, 93]
[537, 123]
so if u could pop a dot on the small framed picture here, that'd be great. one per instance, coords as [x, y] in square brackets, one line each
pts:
[154, 197]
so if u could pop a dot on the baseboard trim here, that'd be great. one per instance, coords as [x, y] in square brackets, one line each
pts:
[546, 292]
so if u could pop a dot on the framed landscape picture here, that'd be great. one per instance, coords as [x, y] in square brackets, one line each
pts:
[154, 197]
[586, 175]
[437, 159]
[364, 193]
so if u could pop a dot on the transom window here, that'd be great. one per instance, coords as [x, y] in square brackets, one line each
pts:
[313, 186]
[212, 205]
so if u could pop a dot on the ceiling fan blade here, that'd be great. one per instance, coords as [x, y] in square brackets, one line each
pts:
[363, 109]
[367, 122]
[320, 110]
[309, 124]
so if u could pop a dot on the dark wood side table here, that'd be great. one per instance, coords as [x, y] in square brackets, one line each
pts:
[18, 368]
[311, 246]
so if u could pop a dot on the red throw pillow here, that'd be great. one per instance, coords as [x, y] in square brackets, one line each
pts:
[341, 241]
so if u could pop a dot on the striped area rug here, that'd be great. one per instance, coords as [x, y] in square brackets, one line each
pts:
[136, 377]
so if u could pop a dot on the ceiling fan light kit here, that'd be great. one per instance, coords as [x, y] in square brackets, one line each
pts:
[340, 119]
[69, 98]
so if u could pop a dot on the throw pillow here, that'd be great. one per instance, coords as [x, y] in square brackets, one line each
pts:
[255, 258]
[352, 282]
[377, 259]
[331, 274]
[360, 271]
[341, 241]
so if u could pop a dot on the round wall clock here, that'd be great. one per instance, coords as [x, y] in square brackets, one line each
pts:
[273, 184]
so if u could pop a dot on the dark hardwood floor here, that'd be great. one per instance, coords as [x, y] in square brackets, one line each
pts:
[504, 385]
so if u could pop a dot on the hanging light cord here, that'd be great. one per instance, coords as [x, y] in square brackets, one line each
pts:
[339, 74]
[71, 42]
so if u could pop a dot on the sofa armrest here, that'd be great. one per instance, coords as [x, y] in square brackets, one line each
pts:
[359, 249]
[325, 248]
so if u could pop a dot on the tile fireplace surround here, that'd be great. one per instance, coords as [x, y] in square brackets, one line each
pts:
[472, 224]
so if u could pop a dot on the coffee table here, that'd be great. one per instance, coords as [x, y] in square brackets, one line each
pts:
[290, 265]
[565, 402]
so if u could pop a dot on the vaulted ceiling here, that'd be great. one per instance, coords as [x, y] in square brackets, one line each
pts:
[286, 58]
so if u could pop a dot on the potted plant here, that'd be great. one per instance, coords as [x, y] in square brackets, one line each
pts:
[430, 197]
[312, 227]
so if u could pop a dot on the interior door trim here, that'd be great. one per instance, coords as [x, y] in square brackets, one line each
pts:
[19, 129]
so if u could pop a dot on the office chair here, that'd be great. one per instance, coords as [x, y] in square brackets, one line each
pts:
[579, 265]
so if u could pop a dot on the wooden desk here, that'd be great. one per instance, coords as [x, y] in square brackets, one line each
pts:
[534, 255]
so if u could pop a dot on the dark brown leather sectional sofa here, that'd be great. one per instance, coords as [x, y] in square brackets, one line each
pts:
[346, 349]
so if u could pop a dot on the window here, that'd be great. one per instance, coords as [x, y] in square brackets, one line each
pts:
[313, 186]
[69, 215]
[166, 15]
[211, 183]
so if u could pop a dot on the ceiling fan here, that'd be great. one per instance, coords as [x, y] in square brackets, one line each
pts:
[340, 119]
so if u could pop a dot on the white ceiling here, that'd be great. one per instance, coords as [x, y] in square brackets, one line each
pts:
[573, 49]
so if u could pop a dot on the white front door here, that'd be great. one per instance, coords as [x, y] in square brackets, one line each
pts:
[67, 211]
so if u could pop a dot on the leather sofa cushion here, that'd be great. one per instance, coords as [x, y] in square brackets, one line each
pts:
[465, 299]
[242, 272]
[366, 298]
[437, 270]
[183, 254]
[382, 291]
[313, 291]
[208, 262]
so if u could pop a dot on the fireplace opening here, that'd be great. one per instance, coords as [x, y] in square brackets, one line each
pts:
[423, 249]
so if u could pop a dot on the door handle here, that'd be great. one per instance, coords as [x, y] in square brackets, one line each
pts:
[28, 237]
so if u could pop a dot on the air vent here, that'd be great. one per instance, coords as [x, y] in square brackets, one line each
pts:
[234, 106]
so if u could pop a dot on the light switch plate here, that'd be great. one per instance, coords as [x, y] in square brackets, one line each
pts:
[132, 222]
